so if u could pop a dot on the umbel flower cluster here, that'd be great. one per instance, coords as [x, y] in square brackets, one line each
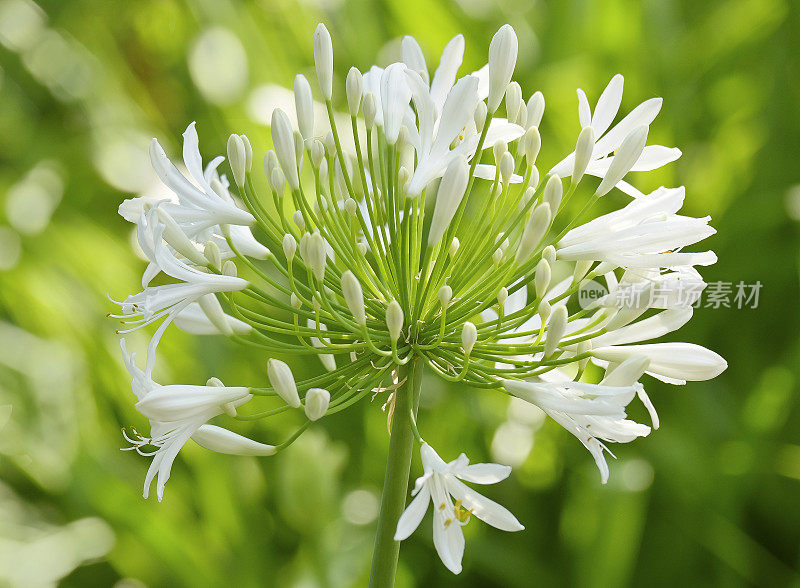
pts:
[424, 235]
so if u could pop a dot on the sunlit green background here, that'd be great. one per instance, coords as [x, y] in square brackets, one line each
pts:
[712, 498]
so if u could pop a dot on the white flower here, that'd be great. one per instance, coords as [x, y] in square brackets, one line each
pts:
[674, 363]
[440, 483]
[652, 157]
[177, 413]
[651, 288]
[647, 233]
[168, 300]
[195, 320]
[592, 412]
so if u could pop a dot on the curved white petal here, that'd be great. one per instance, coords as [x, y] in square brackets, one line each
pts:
[413, 514]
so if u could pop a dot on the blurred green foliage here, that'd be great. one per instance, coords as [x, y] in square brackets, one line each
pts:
[709, 499]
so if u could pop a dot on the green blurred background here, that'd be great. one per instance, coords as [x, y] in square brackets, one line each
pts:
[712, 498]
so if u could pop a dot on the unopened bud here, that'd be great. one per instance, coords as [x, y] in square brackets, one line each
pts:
[304, 105]
[351, 206]
[506, 167]
[531, 143]
[354, 297]
[542, 280]
[323, 60]
[513, 101]
[289, 246]
[448, 198]
[556, 327]
[318, 255]
[553, 191]
[454, 245]
[212, 254]
[295, 301]
[283, 138]
[469, 335]
[480, 116]
[370, 108]
[354, 87]
[282, 381]
[549, 254]
[229, 268]
[445, 295]
[626, 157]
[278, 181]
[498, 149]
[535, 110]
[502, 296]
[583, 153]
[544, 310]
[317, 402]
[502, 60]
[535, 230]
[237, 158]
[297, 217]
[394, 319]
[581, 269]
[497, 256]
[270, 163]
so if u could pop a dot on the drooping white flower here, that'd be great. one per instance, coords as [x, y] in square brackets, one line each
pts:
[176, 413]
[606, 143]
[647, 233]
[439, 485]
[594, 413]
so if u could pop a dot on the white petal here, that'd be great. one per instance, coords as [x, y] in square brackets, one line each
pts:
[485, 509]
[484, 473]
[413, 514]
[224, 441]
[650, 328]
[584, 110]
[607, 105]
[642, 115]
[683, 361]
[445, 75]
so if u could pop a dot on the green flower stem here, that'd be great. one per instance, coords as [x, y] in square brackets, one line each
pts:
[395, 484]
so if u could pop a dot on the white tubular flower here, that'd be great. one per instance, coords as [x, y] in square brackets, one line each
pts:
[502, 61]
[439, 485]
[222, 440]
[647, 233]
[317, 402]
[593, 413]
[176, 413]
[652, 156]
[451, 191]
[323, 60]
[674, 363]
[282, 380]
[304, 106]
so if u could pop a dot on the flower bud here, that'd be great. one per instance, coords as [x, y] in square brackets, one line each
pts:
[498, 149]
[289, 246]
[394, 319]
[626, 373]
[549, 254]
[370, 108]
[237, 158]
[229, 268]
[627, 156]
[526, 197]
[583, 153]
[502, 60]
[350, 206]
[535, 229]
[282, 381]
[454, 245]
[304, 105]
[248, 153]
[318, 255]
[317, 402]
[535, 110]
[581, 268]
[480, 116]
[502, 296]
[506, 167]
[542, 280]
[469, 335]
[497, 256]
[445, 295]
[513, 101]
[553, 191]
[278, 182]
[533, 182]
[531, 143]
[354, 86]
[214, 313]
[354, 297]
[297, 217]
[295, 301]
[317, 153]
[323, 60]
[283, 138]
[451, 191]
[212, 254]
[270, 163]
[362, 247]
[556, 327]
[221, 440]
[299, 148]
[544, 310]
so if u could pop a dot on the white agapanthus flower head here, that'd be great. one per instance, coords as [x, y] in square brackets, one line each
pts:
[422, 236]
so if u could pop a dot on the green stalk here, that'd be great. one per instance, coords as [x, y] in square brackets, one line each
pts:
[395, 483]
